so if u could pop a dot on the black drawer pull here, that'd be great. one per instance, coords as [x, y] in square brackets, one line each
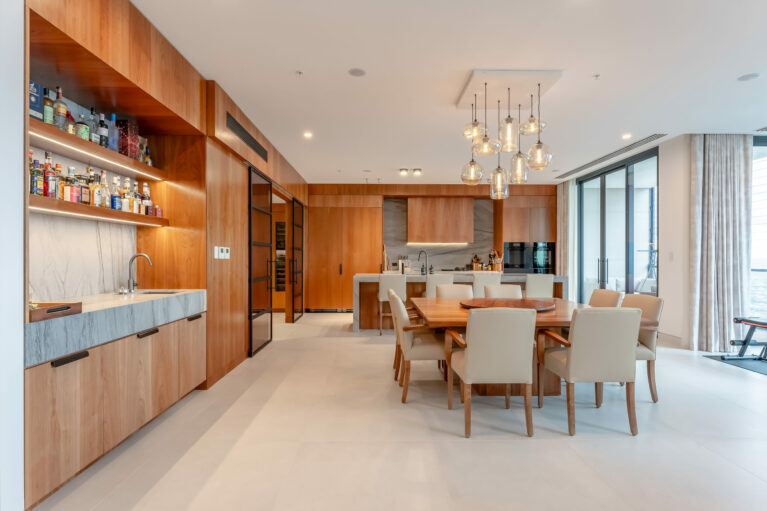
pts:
[147, 333]
[192, 318]
[69, 359]
[57, 309]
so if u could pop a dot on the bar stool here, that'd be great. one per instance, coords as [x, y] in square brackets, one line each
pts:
[484, 279]
[397, 283]
[539, 285]
[434, 280]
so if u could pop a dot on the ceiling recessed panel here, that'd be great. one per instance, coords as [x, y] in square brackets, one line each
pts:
[521, 82]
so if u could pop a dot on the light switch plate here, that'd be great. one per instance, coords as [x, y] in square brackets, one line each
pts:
[220, 252]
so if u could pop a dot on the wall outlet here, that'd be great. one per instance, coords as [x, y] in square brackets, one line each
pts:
[220, 252]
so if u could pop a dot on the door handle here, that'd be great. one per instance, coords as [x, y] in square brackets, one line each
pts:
[147, 333]
[341, 269]
[192, 318]
[599, 272]
[69, 359]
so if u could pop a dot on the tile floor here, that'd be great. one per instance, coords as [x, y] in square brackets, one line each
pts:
[314, 421]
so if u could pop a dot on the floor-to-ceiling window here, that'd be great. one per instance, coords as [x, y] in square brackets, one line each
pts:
[618, 227]
[758, 229]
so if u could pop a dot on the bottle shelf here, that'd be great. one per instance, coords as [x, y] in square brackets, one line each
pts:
[49, 206]
[49, 138]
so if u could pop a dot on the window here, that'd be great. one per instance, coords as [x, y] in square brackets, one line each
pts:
[758, 229]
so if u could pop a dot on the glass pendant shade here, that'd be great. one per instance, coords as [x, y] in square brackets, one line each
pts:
[539, 156]
[471, 173]
[533, 126]
[499, 184]
[507, 132]
[518, 172]
[473, 130]
[486, 146]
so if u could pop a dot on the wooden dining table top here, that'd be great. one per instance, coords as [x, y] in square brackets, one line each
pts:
[448, 312]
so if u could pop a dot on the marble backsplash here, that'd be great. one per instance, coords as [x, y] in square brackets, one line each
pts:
[442, 258]
[69, 258]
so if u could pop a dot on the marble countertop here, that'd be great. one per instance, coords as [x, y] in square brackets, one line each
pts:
[107, 317]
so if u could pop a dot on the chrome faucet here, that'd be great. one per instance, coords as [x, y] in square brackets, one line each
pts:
[427, 259]
[132, 271]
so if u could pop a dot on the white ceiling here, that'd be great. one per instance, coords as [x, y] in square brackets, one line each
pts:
[665, 67]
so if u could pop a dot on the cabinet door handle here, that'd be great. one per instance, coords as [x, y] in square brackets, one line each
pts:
[341, 269]
[192, 318]
[60, 308]
[69, 359]
[147, 333]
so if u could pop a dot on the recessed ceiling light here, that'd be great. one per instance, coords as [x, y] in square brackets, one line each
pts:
[747, 77]
[355, 71]
[308, 134]
[626, 136]
[416, 172]
[403, 172]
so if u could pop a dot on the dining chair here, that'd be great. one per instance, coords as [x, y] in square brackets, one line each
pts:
[416, 342]
[482, 279]
[503, 291]
[601, 348]
[497, 349]
[605, 298]
[539, 285]
[436, 279]
[651, 307]
[454, 291]
[396, 282]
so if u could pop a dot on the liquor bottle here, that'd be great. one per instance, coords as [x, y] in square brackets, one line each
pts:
[85, 187]
[125, 193]
[147, 158]
[60, 111]
[82, 130]
[68, 184]
[115, 194]
[135, 199]
[106, 199]
[47, 107]
[113, 134]
[95, 190]
[93, 122]
[71, 124]
[148, 209]
[36, 179]
[103, 132]
[61, 180]
[51, 181]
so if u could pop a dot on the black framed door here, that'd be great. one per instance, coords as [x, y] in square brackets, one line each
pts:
[260, 272]
[297, 261]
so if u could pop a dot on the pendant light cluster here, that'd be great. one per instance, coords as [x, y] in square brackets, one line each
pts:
[537, 158]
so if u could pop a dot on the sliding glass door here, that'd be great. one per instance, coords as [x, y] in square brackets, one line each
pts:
[618, 219]
[260, 271]
[297, 261]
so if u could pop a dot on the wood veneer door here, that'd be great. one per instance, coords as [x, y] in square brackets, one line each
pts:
[325, 258]
[63, 415]
[191, 353]
[362, 245]
[164, 367]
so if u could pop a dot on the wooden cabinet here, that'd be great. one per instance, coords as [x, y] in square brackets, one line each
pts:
[191, 353]
[63, 418]
[362, 247]
[165, 367]
[440, 220]
[530, 218]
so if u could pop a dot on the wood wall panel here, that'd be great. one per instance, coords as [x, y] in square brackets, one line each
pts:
[440, 220]
[362, 247]
[323, 274]
[530, 218]
[412, 190]
[345, 201]
[227, 182]
[279, 214]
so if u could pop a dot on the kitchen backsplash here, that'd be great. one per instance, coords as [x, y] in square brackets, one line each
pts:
[69, 258]
[442, 258]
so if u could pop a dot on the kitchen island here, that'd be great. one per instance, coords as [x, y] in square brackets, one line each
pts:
[366, 293]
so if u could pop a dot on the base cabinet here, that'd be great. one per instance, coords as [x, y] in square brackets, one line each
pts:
[81, 406]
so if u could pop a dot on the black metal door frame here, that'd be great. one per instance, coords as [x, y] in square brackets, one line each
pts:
[252, 171]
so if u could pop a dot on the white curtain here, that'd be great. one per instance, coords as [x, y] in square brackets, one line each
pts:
[563, 224]
[720, 237]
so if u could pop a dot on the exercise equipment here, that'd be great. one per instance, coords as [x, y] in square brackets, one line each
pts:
[749, 342]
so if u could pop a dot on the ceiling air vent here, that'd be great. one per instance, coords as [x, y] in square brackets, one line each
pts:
[246, 137]
[610, 156]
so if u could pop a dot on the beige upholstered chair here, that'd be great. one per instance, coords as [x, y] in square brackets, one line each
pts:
[651, 307]
[397, 283]
[498, 348]
[482, 279]
[503, 291]
[416, 342]
[434, 280]
[454, 291]
[602, 348]
[539, 285]
[605, 298]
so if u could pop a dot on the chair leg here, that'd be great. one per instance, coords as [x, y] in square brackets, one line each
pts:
[407, 380]
[598, 390]
[444, 370]
[461, 389]
[402, 364]
[380, 317]
[450, 389]
[396, 355]
[540, 385]
[397, 363]
[651, 380]
[508, 395]
[467, 408]
[630, 404]
[529, 408]
[571, 408]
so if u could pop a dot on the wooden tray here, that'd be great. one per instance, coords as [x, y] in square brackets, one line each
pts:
[50, 310]
[514, 303]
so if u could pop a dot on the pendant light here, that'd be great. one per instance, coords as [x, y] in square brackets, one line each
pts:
[474, 129]
[486, 146]
[508, 131]
[471, 173]
[518, 172]
[499, 185]
[539, 155]
[532, 126]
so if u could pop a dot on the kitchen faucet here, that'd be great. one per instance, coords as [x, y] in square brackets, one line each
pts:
[427, 259]
[132, 271]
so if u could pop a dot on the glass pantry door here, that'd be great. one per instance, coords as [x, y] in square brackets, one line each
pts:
[260, 288]
[297, 262]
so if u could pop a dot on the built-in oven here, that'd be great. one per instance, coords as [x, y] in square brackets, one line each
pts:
[543, 257]
[524, 257]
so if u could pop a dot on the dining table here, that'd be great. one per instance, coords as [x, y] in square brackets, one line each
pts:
[552, 314]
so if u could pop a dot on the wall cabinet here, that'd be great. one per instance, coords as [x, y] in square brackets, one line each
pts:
[530, 218]
[81, 406]
[440, 220]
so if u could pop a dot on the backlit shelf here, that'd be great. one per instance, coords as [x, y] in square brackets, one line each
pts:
[49, 206]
